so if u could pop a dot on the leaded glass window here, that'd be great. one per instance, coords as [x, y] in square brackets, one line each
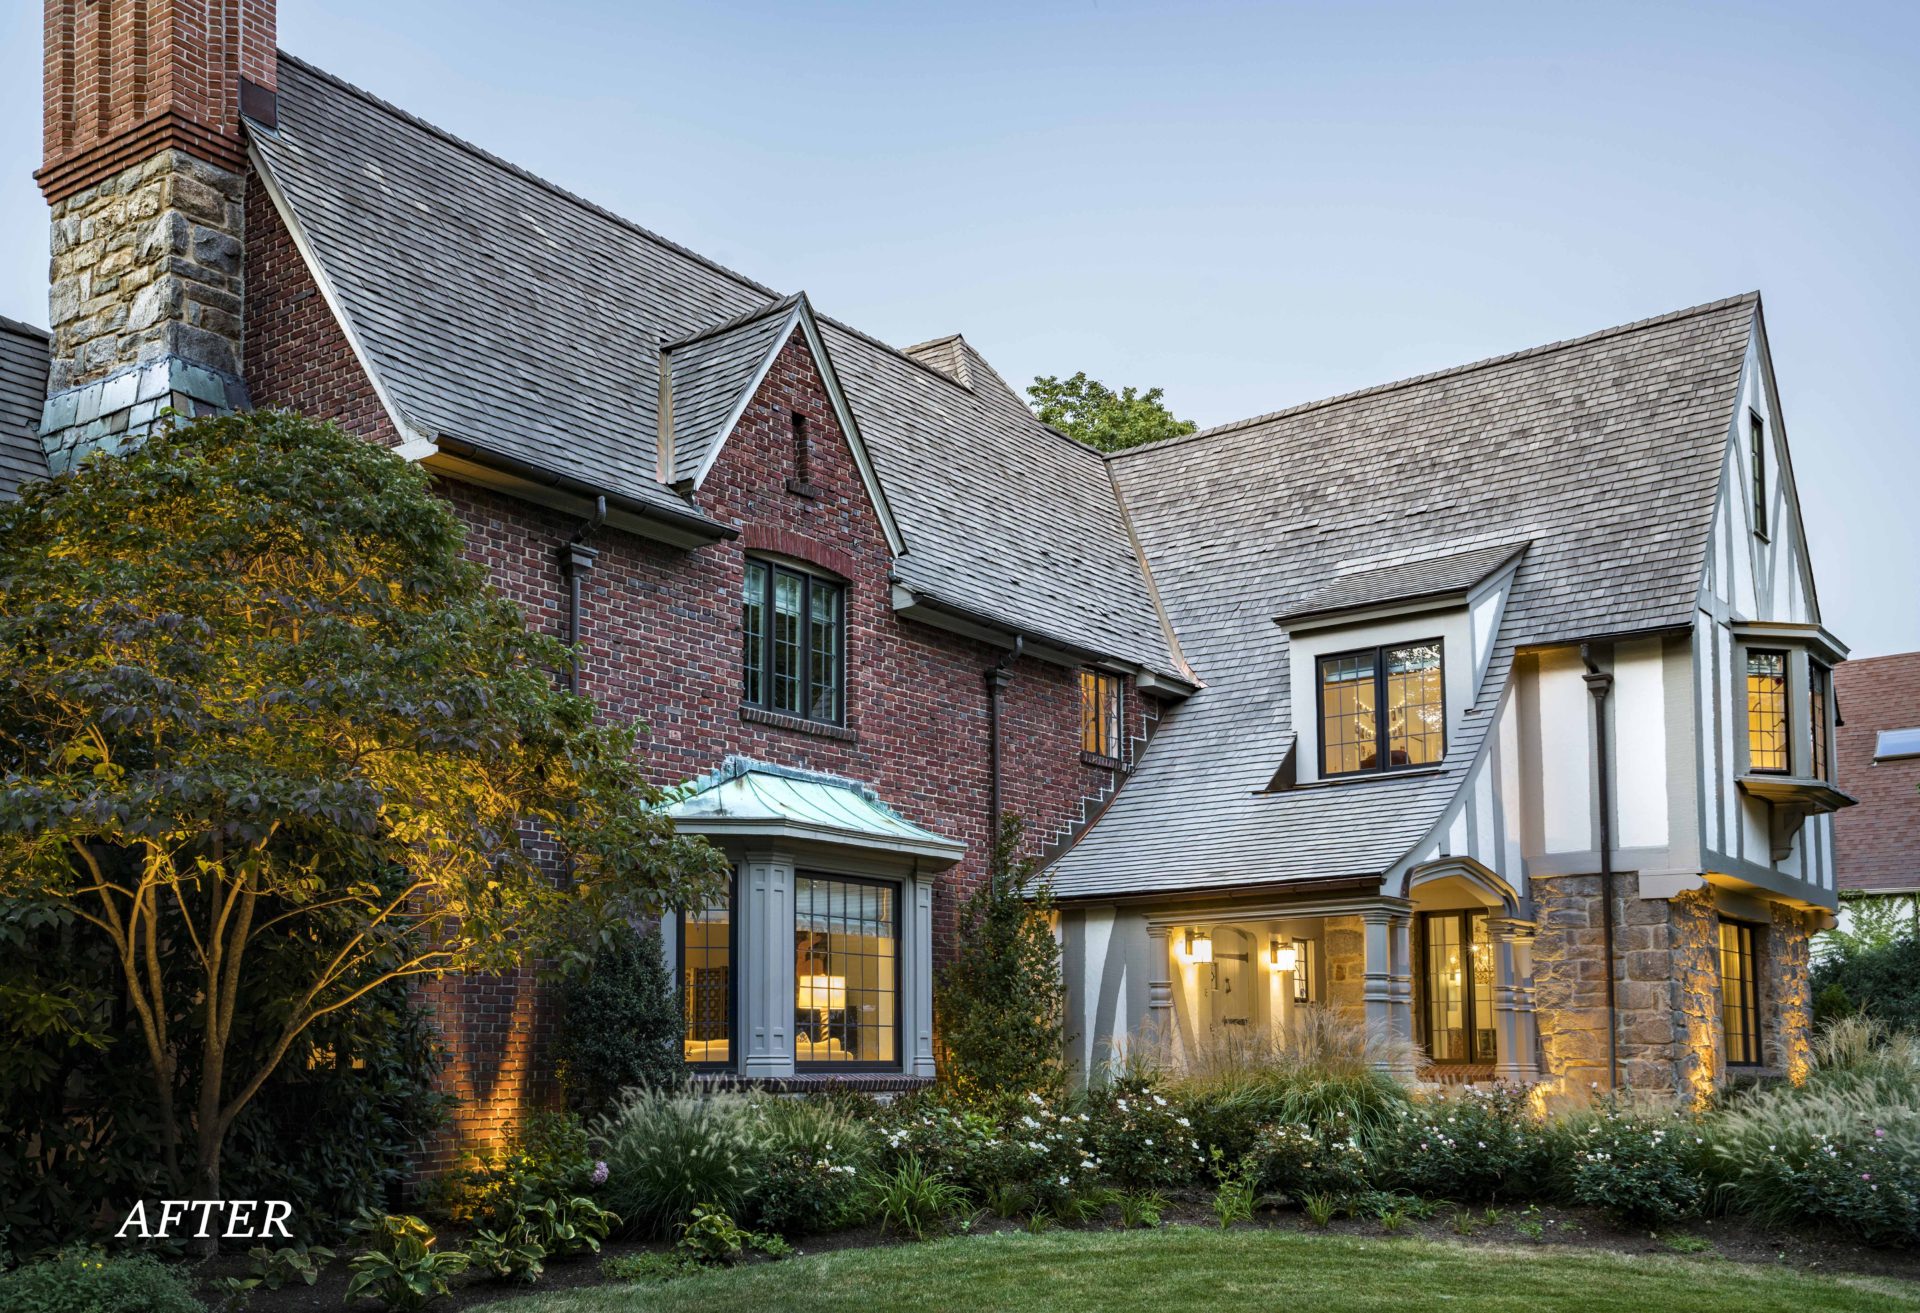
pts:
[795, 636]
[1819, 680]
[1739, 994]
[706, 983]
[847, 964]
[1767, 745]
[1101, 703]
[1382, 709]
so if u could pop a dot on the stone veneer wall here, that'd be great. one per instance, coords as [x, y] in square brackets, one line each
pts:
[1344, 946]
[1786, 1003]
[1665, 987]
[145, 264]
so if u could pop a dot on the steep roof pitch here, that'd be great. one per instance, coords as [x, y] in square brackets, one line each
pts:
[711, 376]
[23, 391]
[499, 310]
[1603, 452]
[1455, 572]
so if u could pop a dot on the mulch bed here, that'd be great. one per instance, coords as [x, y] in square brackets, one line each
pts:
[1727, 1240]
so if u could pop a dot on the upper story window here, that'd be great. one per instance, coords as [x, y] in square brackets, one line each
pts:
[1767, 739]
[795, 630]
[1382, 709]
[1819, 681]
[1757, 436]
[1101, 701]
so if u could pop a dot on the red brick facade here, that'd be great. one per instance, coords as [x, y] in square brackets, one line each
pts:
[661, 642]
[1876, 845]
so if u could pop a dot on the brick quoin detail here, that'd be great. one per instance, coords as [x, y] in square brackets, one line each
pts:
[661, 646]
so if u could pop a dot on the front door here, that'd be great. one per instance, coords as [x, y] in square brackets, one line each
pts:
[1226, 985]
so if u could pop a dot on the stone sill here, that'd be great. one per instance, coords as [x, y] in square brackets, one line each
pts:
[798, 724]
[800, 488]
[1100, 762]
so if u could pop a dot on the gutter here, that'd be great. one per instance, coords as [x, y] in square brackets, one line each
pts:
[1600, 684]
[998, 677]
[682, 526]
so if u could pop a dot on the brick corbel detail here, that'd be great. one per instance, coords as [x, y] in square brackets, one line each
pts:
[784, 542]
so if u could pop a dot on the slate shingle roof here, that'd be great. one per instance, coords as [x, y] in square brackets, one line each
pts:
[504, 312]
[23, 392]
[1604, 453]
[708, 376]
[1433, 576]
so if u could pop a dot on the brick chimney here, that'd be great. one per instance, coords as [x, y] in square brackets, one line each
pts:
[145, 168]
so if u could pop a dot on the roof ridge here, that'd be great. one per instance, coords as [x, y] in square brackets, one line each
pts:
[1546, 348]
[740, 320]
[480, 152]
[487, 156]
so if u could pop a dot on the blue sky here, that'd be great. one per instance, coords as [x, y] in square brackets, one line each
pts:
[1249, 205]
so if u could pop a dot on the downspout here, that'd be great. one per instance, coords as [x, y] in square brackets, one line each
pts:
[1600, 683]
[576, 561]
[998, 677]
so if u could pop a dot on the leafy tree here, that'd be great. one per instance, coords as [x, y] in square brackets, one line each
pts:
[1087, 409]
[620, 1024]
[250, 687]
[1880, 977]
[1001, 1004]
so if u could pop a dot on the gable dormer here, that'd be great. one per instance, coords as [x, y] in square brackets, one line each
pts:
[1384, 661]
[708, 379]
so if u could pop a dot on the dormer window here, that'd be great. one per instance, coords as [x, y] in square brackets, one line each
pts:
[1382, 709]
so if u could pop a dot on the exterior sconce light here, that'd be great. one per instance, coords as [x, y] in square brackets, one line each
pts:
[1285, 957]
[1199, 946]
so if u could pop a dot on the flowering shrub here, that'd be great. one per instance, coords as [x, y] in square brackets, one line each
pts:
[1296, 1160]
[1469, 1144]
[1640, 1169]
[1025, 1144]
[1140, 1138]
[817, 1161]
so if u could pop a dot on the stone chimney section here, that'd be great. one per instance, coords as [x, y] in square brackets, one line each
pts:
[145, 168]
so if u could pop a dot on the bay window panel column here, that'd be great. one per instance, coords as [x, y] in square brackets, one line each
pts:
[916, 985]
[767, 967]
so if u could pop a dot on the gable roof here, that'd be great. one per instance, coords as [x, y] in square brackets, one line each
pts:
[1603, 452]
[1435, 576]
[501, 312]
[709, 379]
[24, 352]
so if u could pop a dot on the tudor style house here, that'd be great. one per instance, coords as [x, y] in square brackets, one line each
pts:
[1490, 707]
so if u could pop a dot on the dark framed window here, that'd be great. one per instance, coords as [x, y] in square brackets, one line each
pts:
[1767, 741]
[1740, 993]
[1382, 709]
[1303, 970]
[1757, 436]
[707, 984]
[1102, 705]
[846, 935]
[794, 625]
[1819, 680]
[1456, 1014]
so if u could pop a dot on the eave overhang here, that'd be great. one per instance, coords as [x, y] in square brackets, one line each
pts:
[1791, 799]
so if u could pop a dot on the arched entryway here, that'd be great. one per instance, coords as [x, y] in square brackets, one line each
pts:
[1472, 987]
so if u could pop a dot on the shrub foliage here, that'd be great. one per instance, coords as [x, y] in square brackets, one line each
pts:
[1001, 1001]
[620, 1024]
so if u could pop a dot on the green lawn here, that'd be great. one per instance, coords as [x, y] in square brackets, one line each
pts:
[1177, 1269]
